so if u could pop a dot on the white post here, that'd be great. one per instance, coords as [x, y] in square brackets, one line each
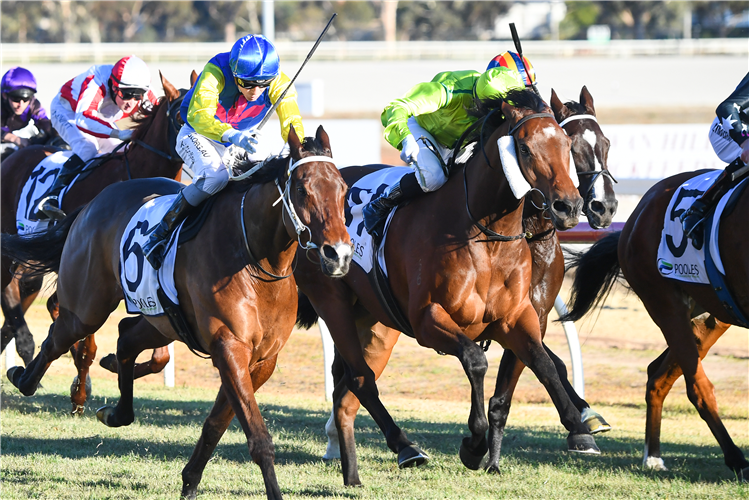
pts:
[10, 355]
[269, 20]
[169, 368]
[573, 341]
[328, 355]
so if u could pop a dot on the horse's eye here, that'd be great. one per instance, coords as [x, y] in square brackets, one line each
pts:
[524, 150]
[302, 192]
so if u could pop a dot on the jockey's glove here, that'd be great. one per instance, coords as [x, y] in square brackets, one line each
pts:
[123, 135]
[245, 139]
[410, 149]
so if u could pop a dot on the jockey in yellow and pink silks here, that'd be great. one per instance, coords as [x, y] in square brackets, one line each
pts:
[231, 97]
[438, 111]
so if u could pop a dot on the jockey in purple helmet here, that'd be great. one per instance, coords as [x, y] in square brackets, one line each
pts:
[231, 97]
[22, 116]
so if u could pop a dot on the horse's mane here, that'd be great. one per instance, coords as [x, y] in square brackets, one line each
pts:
[144, 118]
[274, 168]
[576, 108]
[490, 118]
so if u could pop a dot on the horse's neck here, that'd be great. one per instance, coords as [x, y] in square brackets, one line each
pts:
[146, 163]
[267, 236]
[490, 198]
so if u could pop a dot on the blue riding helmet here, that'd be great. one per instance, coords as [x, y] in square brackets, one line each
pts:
[253, 57]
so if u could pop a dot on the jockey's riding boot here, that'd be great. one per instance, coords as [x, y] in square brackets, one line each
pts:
[376, 211]
[692, 218]
[49, 207]
[156, 244]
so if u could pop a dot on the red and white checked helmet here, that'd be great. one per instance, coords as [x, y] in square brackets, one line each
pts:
[131, 73]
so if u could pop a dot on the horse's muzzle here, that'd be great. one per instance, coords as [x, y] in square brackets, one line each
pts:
[601, 213]
[565, 212]
[336, 259]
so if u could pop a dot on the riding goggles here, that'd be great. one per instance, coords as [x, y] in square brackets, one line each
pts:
[19, 98]
[127, 94]
[251, 84]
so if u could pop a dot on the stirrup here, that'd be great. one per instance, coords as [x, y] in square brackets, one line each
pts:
[695, 233]
[51, 212]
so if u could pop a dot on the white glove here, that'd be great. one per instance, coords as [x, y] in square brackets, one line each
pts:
[410, 149]
[244, 139]
[123, 135]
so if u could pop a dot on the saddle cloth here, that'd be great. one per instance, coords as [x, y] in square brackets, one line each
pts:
[677, 257]
[138, 278]
[362, 192]
[38, 183]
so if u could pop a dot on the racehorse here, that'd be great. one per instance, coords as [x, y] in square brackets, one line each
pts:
[234, 283]
[671, 304]
[590, 152]
[460, 271]
[151, 154]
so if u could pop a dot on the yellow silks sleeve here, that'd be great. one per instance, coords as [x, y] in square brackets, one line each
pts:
[288, 111]
[201, 114]
[421, 99]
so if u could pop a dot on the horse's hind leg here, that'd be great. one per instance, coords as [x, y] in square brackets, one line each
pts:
[662, 374]
[214, 427]
[136, 334]
[83, 353]
[159, 359]
[16, 300]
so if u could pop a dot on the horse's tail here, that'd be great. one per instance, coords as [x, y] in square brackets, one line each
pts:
[40, 251]
[597, 271]
[306, 316]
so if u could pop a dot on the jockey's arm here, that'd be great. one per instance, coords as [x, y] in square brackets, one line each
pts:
[733, 112]
[201, 114]
[87, 115]
[288, 111]
[422, 99]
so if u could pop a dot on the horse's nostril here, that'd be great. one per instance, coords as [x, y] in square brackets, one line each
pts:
[562, 207]
[597, 207]
[329, 252]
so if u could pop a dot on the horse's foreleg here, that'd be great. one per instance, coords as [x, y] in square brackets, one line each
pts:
[508, 375]
[213, 428]
[81, 387]
[232, 359]
[14, 327]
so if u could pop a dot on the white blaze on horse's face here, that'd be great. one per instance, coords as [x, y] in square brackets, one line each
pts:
[549, 131]
[598, 190]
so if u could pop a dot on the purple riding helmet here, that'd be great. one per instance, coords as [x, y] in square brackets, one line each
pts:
[19, 82]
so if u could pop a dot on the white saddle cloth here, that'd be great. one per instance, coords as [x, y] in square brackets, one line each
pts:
[38, 183]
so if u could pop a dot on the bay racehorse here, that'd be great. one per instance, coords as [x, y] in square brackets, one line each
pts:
[151, 154]
[690, 315]
[460, 271]
[234, 283]
[590, 153]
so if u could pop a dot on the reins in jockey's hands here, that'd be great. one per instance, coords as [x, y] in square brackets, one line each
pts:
[410, 149]
[245, 139]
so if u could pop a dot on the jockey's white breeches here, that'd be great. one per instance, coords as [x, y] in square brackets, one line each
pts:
[429, 172]
[86, 146]
[725, 147]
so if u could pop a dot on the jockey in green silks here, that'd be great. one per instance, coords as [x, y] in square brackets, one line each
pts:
[438, 111]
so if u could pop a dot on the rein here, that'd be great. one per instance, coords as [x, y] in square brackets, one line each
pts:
[492, 235]
[285, 197]
[171, 117]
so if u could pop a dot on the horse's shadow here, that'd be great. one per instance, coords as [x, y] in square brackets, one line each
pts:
[289, 425]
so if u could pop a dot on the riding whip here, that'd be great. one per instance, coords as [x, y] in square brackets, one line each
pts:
[314, 47]
[516, 39]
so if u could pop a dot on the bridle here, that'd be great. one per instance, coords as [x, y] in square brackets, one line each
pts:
[285, 198]
[172, 116]
[595, 174]
[492, 235]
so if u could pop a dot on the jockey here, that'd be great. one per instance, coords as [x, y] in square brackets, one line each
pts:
[729, 136]
[20, 107]
[436, 110]
[231, 97]
[85, 111]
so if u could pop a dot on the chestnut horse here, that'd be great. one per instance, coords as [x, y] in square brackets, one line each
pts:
[590, 152]
[470, 285]
[233, 281]
[151, 154]
[671, 304]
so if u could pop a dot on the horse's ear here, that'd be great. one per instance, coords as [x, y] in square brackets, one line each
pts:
[560, 110]
[322, 137]
[193, 78]
[511, 114]
[295, 145]
[587, 100]
[170, 91]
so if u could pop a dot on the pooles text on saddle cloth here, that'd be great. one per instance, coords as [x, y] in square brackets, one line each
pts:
[137, 277]
[39, 181]
[362, 192]
[677, 257]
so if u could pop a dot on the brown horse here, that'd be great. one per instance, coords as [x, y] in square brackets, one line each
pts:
[233, 281]
[677, 307]
[460, 270]
[151, 154]
[590, 152]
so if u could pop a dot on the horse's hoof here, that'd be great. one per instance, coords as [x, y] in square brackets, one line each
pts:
[104, 414]
[493, 469]
[744, 475]
[14, 375]
[109, 363]
[189, 492]
[78, 410]
[474, 460]
[594, 421]
[654, 463]
[412, 456]
[582, 443]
